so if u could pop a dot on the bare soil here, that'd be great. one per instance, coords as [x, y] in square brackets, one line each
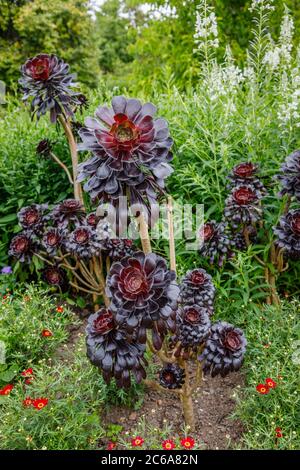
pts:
[213, 405]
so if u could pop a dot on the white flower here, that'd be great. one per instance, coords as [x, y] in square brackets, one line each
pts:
[206, 28]
[261, 4]
[272, 58]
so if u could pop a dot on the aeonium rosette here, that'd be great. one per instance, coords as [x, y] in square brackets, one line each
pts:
[46, 81]
[288, 233]
[131, 152]
[242, 206]
[110, 349]
[143, 295]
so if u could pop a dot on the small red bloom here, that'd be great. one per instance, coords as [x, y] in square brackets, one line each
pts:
[279, 434]
[27, 372]
[278, 429]
[6, 389]
[137, 441]
[60, 309]
[168, 444]
[270, 383]
[29, 380]
[188, 442]
[46, 333]
[111, 446]
[263, 389]
[27, 401]
[39, 403]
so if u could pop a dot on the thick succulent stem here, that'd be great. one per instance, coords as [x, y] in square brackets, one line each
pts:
[187, 402]
[74, 156]
[171, 235]
[144, 234]
[98, 268]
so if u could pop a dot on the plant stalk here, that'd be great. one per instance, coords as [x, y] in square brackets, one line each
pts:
[74, 156]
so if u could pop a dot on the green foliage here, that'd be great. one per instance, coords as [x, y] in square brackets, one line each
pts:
[61, 27]
[71, 418]
[23, 317]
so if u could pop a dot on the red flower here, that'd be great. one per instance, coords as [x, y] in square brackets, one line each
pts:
[270, 383]
[263, 389]
[60, 309]
[46, 333]
[27, 372]
[168, 444]
[6, 390]
[188, 442]
[29, 380]
[279, 433]
[137, 441]
[27, 402]
[39, 403]
[111, 446]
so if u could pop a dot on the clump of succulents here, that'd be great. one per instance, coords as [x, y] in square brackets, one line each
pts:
[242, 214]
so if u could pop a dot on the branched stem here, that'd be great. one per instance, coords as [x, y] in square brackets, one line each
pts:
[63, 166]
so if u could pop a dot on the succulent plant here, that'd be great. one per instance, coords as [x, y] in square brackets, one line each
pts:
[33, 217]
[83, 242]
[118, 248]
[245, 173]
[242, 206]
[172, 377]
[109, 349]
[224, 350]
[131, 150]
[53, 240]
[68, 211]
[54, 276]
[47, 83]
[290, 175]
[197, 288]
[23, 246]
[288, 233]
[216, 242]
[143, 295]
[193, 325]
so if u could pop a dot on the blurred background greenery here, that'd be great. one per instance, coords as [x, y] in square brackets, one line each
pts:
[128, 43]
